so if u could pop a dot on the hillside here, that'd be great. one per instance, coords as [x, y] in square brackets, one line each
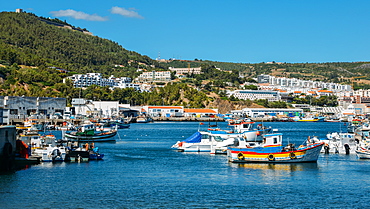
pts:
[26, 39]
[356, 73]
[29, 40]
[33, 48]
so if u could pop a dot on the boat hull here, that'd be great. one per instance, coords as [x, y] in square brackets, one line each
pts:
[54, 155]
[340, 143]
[196, 147]
[363, 154]
[250, 155]
[78, 156]
[95, 156]
[105, 137]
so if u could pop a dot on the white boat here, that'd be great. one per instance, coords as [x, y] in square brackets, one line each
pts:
[143, 119]
[45, 147]
[53, 153]
[216, 141]
[340, 143]
[363, 152]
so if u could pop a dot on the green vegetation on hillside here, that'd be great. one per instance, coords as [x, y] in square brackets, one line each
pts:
[26, 40]
[33, 48]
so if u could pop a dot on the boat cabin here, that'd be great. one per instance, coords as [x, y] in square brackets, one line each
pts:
[86, 127]
[31, 139]
[273, 140]
[242, 126]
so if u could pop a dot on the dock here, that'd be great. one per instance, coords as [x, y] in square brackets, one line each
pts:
[189, 119]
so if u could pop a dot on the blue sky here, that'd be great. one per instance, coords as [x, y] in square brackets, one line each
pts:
[242, 31]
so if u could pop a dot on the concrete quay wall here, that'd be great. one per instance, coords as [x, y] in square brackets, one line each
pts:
[202, 119]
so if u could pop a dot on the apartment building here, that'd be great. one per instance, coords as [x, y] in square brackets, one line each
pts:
[182, 71]
[85, 80]
[88, 79]
[155, 76]
[294, 83]
[271, 96]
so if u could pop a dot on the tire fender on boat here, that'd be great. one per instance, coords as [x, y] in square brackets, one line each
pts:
[292, 155]
[240, 156]
[271, 157]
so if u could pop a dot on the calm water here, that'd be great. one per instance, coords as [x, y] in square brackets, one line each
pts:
[141, 171]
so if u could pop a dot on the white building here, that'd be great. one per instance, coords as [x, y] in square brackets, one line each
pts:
[105, 108]
[125, 82]
[155, 76]
[88, 79]
[262, 112]
[291, 83]
[255, 95]
[85, 80]
[182, 71]
[163, 111]
[85, 107]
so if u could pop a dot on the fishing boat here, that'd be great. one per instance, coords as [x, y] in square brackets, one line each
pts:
[88, 133]
[363, 152]
[143, 119]
[335, 120]
[50, 150]
[78, 155]
[44, 147]
[271, 150]
[94, 154]
[84, 153]
[340, 143]
[216, 141]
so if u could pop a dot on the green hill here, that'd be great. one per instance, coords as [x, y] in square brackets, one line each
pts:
[32, 48]
[29, 40]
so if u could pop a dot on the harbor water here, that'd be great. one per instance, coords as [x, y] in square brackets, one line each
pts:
[140, 170]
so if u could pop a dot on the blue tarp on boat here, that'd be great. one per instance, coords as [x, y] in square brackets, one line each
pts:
[196, 137]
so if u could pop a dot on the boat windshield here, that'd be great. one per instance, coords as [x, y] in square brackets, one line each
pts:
[246, 126]
[218, 138]
[205, 136]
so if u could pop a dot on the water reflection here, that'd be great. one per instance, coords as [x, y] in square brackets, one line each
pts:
[276, 166]
[17, 167]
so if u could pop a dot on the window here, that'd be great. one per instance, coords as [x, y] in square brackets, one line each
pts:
[218, 138]
[275, 140]
[204, 136]
[13, 111]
